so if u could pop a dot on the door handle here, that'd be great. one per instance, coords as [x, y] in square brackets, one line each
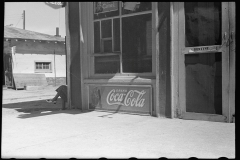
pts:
[225, 39]
[225, 36]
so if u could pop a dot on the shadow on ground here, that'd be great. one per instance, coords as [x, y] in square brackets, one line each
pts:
[39, 108]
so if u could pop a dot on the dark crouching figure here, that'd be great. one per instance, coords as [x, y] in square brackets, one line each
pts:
[62, 92]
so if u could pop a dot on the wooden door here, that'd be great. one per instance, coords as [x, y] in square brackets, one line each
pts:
[204, 61]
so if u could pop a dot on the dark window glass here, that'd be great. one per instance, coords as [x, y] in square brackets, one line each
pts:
[39, 65]
[107, 45]
[107, 64]
[204, 83]
[133, 7]
[116, 34]
[106, 27]
[137, 43]
[96, 37]
[202, 23]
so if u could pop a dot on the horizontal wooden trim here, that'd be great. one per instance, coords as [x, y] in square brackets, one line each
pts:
[119, 80]
[125, 15]
[122, 112]
[107, 38]
[105, 54]
[204, 117]
[124, 75]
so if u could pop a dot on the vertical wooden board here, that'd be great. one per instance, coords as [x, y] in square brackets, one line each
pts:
[84, 49]
[174, 58]
[75, 52]
[225, 62]
[164, 55]
[68, 55]
[232, 12]
[181, 44]
[164, 58]
[157, 95]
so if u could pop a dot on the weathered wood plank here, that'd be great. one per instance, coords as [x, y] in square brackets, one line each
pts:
[232, 12]
[174, 58]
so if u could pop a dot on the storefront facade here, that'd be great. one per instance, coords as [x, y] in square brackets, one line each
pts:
[164, 59]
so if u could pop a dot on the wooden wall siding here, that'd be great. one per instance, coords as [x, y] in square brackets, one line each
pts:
[24, 63]
[174, 58]
[164, 59]
[232, 12]
[74, 55]
[43, 47]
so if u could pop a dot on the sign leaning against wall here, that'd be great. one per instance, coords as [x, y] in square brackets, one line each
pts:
[127, 98]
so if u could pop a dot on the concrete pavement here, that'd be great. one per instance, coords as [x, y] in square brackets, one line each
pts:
[32, 128]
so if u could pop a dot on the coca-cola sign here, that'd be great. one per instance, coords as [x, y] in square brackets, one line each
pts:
[122, 98]
[127, 98]
[102, 7]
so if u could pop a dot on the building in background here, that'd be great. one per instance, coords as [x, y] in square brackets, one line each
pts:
[32, 58]
[164, 59]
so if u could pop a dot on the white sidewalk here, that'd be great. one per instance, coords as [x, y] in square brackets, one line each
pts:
[51, 133]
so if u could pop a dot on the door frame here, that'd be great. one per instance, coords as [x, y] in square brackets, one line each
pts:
[180, 51]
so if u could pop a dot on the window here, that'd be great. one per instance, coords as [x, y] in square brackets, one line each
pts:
[203, 23]
[43, 67]
[122, 37]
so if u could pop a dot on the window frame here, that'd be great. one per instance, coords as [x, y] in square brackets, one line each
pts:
[43, 70]
[92, 55]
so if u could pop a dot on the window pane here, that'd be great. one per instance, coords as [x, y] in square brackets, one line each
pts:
[43, 65]
[204, 83]
[38, 65]
[137, 43]
[203, 23]
[96, 37]
[107, 64]
[106, 27]
[107, 45]
[116, 34]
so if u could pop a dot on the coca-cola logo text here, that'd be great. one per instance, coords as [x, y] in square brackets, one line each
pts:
[131, 98]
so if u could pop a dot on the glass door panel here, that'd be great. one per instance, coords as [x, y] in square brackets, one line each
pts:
[204, 83]
[203, 23]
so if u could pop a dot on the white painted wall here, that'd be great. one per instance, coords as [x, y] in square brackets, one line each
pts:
[25, 63]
